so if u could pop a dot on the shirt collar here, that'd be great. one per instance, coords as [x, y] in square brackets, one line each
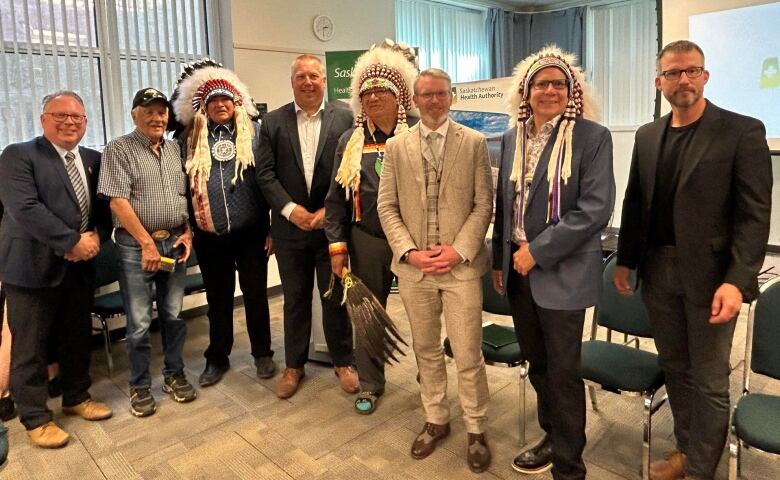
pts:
[145, 140]
[228, 127]
[62, 151]
[298, 109]
[547, 127]
[442, 130]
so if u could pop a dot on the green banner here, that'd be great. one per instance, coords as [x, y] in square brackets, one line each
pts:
[338, 67]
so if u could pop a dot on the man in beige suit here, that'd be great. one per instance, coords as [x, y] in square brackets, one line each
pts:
[435, 202]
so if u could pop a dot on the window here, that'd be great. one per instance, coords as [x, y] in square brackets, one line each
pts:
[451, 38]
[621, 48]
[103, 50]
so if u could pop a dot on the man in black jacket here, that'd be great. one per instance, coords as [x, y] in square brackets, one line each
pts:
[48, 239]
[294, 165]
[695, 226]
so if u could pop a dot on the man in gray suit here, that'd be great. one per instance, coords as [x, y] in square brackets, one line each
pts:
[695, 225]
[556, 191]
[435, 202]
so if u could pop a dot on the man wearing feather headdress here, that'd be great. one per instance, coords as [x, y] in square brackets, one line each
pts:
[555, 194]
[381, 98]
[219, 142]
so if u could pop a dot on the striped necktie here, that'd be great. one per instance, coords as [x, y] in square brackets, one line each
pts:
[78, 187]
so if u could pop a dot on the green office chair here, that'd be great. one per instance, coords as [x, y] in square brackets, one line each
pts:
[618, 367]
[755, 422]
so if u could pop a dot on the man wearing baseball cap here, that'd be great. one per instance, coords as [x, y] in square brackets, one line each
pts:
[144, 179]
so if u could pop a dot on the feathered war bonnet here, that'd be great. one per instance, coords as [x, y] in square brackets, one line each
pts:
[580, 104]
[389, 65]
[200, 82]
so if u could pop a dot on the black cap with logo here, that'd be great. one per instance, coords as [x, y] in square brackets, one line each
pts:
[145, 96]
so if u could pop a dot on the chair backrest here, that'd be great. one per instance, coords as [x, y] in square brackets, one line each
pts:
[620, 313]
[492, 301]
[106, 265]
[762, 353]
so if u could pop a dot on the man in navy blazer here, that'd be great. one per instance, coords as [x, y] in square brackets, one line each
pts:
[48, 238]
[555, 195]
[294, 169]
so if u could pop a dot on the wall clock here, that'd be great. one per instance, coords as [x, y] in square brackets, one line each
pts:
[323, 27]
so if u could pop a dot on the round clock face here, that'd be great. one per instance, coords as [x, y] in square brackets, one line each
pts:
[323, 27]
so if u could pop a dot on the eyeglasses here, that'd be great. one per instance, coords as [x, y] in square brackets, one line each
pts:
[61, 117]
[674, 75]
[543, 84]
[441, 95]
[377, 93]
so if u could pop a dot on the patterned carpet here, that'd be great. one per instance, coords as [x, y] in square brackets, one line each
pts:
[239, 429]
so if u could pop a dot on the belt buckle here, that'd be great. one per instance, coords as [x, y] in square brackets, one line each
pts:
[161, 235]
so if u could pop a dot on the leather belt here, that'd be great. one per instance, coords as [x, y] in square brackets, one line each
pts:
[161, 235]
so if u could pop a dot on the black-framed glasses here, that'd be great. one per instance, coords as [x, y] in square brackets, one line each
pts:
[675, 74]
[61, 117]
[543, 84]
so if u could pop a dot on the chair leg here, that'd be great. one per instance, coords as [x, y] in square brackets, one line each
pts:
[107, 344]
[734, 454]
[593, 401]
[647, 433]
[521, 396]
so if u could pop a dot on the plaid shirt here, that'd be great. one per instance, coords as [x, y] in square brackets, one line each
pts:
[156, 187]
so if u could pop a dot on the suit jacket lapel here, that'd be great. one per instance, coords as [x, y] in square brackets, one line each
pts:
[450, 152]
[295, 141]
[649, 156]
[327, 120]
[414, 155]
[705, 133]
[52, 155]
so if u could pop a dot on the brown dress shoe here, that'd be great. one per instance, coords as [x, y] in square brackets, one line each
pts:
[348, 378]
[288, 384]
[89, 410]
[478, 453]
[672, 467]
[48, 435]
[426, 441]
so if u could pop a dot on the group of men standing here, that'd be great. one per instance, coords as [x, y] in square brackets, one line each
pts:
[379, 194]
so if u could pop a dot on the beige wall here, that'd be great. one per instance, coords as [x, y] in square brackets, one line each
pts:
[269, 34]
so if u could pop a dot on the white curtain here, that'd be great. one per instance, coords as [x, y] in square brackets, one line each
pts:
[103, 50]
[621, 46]
[451, 38]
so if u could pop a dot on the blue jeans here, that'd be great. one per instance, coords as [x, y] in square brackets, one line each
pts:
[138, 291]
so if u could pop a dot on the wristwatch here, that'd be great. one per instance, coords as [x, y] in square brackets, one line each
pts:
[405, 256]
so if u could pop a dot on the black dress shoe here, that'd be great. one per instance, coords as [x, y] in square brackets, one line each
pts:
[7, 409]
[212, 374]
[265, 366]
[536, 459]
[54, 387]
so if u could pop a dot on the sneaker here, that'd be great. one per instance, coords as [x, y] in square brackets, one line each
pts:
[179, 388]
[142, 402]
